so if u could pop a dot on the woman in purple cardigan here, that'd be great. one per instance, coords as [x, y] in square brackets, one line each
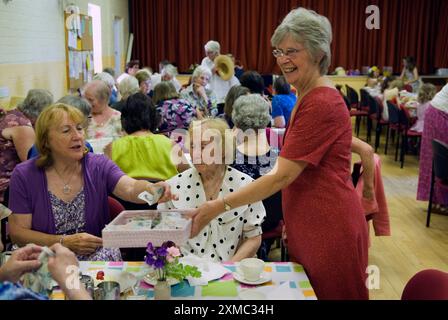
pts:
[62, 196]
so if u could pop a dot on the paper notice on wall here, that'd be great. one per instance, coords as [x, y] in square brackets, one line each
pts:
[71, 64]
[73, 39]
[78, 63]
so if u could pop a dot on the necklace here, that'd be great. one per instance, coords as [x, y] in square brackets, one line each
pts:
[66, 189]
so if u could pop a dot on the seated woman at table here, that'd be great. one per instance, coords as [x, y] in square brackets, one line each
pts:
[425, 94]
[142, 154]
[234, 93]
[176, 113]
[105, 121]
[25, 260]
[202, 99]
[255, 157]
[236, 234]
[282, 103]
[62, 195]
[436, 127]
[79, 103]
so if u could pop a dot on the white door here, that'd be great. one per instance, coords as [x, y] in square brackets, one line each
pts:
[118, 42]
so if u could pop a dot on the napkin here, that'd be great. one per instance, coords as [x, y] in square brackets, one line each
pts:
[209, 269]
[284, 292]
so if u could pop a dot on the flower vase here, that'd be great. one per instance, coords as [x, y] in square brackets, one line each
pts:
[162, 291]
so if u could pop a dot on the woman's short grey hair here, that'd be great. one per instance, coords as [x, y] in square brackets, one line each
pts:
[213, 46]
[251, 112]
[310, 29]
[36, 100]
[169, 70]
[106, 77]
[79, 103]
[199, 71]
[128, 86]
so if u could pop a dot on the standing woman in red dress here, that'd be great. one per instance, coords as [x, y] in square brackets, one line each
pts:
[325, 224]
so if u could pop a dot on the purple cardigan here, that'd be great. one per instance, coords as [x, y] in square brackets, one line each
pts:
[28, 193]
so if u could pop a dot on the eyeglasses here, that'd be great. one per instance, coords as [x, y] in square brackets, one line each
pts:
[290, 53]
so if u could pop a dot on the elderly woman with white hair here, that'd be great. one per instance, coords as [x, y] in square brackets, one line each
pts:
[219, 86]
[105, 121]
[127, 87]
[109, 79]
[168, 73]
[201, 98]
[36, 100]
[324, 219]
[236, 234]
[17, 134]
[255, 157]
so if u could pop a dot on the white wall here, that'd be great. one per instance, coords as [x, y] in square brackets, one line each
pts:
[32, 42]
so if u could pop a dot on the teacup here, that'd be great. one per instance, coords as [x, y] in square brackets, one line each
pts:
[251, 268]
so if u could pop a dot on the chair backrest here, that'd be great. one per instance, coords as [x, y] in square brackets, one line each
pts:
[373, 106]
[427, 285]
[352, 96]
[115, 208]
[405, 118]
[394, 112]
[440, 159]
[364, 98]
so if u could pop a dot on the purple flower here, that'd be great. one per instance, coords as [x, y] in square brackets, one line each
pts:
[159, 264]
[168, 244]
[161, 252]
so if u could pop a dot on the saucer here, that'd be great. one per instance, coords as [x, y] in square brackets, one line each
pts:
[264, 277]
[252, 294]
[152, 280]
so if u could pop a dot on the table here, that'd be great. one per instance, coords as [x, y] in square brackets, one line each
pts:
[225, 288]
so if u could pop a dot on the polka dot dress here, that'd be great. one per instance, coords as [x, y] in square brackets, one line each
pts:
[220, 239]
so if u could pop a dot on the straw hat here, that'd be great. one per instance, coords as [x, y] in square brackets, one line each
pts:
[225, 67]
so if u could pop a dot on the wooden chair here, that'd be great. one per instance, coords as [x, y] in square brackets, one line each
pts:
[439, 172]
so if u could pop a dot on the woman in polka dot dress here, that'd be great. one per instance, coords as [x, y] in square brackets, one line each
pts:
[236, 234]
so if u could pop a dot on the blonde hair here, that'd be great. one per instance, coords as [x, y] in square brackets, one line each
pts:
[142, 76]
[426, 93]
[217, 126]
[50, 117]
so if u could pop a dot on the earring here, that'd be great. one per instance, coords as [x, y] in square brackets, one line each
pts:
[86, 150]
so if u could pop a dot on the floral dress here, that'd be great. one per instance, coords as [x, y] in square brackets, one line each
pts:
[175, 114]
[69, 218]
[198, 102]
[110, 129]
[8, 154]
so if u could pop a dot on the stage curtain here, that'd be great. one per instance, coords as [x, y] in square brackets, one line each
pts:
[177, 30]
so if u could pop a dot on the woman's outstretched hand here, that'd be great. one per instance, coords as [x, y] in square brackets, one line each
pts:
[203, 215]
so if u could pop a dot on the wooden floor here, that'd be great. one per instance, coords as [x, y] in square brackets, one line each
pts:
[412, 247]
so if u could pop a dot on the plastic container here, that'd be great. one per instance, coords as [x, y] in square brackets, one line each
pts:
[141, 230]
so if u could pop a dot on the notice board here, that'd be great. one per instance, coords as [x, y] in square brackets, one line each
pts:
[79, 50]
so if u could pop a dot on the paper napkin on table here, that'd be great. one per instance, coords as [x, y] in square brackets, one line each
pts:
[209, 269]
[285, 292]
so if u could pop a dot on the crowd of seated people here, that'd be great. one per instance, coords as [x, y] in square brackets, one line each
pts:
[60, 195]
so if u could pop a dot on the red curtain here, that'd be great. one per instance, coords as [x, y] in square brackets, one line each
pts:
[176, 30]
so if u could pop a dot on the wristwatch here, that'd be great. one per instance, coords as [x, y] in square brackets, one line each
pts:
[227, 206]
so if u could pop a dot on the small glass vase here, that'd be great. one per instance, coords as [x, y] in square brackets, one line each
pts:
[162, 290]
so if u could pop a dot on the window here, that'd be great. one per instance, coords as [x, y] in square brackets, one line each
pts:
[95, 12]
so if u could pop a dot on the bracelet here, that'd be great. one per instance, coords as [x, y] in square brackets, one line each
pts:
[61, 240]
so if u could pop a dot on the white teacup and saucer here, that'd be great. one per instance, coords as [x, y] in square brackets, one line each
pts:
[250, 271]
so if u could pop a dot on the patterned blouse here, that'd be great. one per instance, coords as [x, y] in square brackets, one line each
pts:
[69, 218]
[221, 238]
[8, 154]
[176, 114]
[110, 129]
[198, 102]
